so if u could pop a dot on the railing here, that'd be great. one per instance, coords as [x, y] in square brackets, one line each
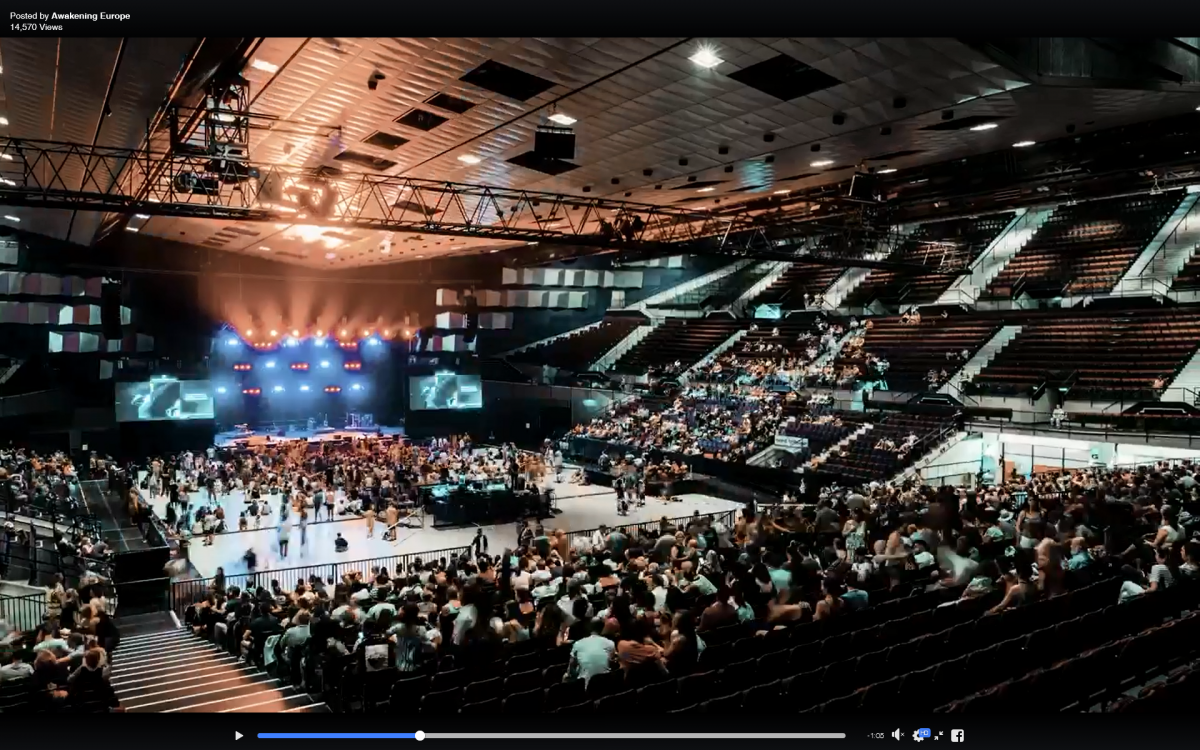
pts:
[26, 612]
[187, 592]
[725, 517]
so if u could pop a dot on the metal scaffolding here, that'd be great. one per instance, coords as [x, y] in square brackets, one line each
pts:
[44, 174]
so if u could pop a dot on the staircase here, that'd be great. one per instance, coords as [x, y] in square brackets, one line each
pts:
[173, 671]
[1167, 254]
[995, 257]
[845, 284]
[610, 357]
[982, 358]
[723, 347]
[1186, 384]
[844, 442]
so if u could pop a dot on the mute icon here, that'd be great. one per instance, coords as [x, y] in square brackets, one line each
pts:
[896, 734]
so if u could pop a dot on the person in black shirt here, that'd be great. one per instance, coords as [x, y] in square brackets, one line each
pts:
[255, 637]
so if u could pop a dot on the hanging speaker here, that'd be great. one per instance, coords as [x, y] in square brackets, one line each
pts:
[110, 310]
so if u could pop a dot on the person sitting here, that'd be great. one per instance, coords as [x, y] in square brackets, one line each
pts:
[340, 544]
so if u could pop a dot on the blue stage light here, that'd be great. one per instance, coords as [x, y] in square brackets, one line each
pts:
[278, 389]
[270, 363]
[373, 341]
[304, 388]
[319, 341]
[356, 387]
[233, 342]
[221, 389]
[324, 363]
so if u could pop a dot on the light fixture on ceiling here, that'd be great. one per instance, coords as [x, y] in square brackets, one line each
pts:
[821, 163]
[705, 57]
[141, 216]
[469, 159]
[886, 170]
[273, 333]
[706, 190]
[782, 192]
[330, 256]
[263, 65]
[1198, 109]
[3, 120]
[1023, 144]
[264, 248]
[984, 126]
[14, 219]
[562, 119]
[6, 157]
[295, 332]
[7, 182]
[132, 229]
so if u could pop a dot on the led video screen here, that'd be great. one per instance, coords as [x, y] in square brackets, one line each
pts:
[445, 390]
[164, 399]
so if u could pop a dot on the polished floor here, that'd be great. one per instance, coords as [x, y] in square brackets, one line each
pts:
[579, 508]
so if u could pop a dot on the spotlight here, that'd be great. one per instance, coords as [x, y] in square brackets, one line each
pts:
[274, 332]
[304, 388]
[320, 334]
[320, 341]
[386, 334]
[366, 333]
[278, 389]
[249, 334]
[324, 363]
[373, 341]
[296, 332]
[270, 364]
[356, 387]
[221, 389]
[233, 342]
[345, 332]
[705, 57]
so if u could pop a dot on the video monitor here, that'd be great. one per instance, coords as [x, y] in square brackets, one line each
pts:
[164, 399]
[445, 390]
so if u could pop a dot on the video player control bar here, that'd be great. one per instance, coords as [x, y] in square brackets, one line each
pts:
[549, 736]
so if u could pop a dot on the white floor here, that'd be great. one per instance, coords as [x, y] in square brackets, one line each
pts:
[580, 508]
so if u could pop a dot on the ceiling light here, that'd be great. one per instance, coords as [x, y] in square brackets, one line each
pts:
[706, 190]
[10, 183]
[264, 66]
[3, 120]
[469, 159]
[264, 248]
[562, 119]
[132, 229]
[249, 334]
[889, 170]
[6, 157]
[12, 218]
[782, 192]
[304, 388]
[330, 256]
[985, 126]
[821, 163]
[295, 331]
[706, 58]
[1023, 144]
[274, 333]
[141, 216]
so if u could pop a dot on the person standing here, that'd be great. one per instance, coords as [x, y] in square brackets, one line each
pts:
[285, 531]
[303, 528]
[369, 514]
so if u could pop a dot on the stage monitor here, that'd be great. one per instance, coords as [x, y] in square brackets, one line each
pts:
[164, 399]
[445, 390]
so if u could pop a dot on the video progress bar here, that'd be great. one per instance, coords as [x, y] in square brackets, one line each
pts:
[550, 736]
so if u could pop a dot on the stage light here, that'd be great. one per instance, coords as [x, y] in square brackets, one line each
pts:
[296, 332]
[1024, 144]
[304, 388]
[320, 334]
[251, 391]
[353, 365]
[366, 333]
[356, 387]
[705, 57]
[242, 367]
[274, 332]
[319, 341]
[345, 332]
[233, 342]
[278, 389]
[387, 334]
[221, 389]
[324, 363]
[407, 333]
[332, 389]
[249, 334]
[270, 363]
[373, 341]
[985, 126]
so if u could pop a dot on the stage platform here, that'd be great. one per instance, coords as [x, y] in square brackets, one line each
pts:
[580, 507]
[265, 437]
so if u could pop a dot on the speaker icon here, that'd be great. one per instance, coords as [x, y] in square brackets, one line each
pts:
[896, 734]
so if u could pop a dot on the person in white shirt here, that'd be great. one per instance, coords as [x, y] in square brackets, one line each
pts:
[17, 669]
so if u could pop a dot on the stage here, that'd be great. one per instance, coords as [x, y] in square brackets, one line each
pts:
[291, 434]
[581, 507]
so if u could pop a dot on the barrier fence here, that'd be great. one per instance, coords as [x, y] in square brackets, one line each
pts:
[26, 612]
[188, 592]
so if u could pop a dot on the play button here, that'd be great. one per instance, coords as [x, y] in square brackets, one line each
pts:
[237, 735]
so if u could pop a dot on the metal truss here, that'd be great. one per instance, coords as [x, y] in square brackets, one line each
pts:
[140, 181]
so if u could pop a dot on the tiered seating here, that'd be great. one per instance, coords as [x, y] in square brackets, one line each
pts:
[913, 350]
[1085, 248]
[822, 436]
[763, 336]
[721, 292]
[799, 279]
[683, 340]
[1114, 353]
[1189, 278]
[945, 248]
[862, 460]
[578, 351]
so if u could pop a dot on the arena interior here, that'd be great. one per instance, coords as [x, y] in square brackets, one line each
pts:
[599, 376]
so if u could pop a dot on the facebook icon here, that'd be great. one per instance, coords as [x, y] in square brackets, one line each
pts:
[956, 735]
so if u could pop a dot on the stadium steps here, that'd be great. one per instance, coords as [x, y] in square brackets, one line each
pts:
[995, 257]
[980, 359]
[173, 671]
[837, 447]
[1167, 253]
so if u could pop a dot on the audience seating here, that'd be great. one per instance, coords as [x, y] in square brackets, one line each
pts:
[860, 460]
[1084, 248]
[799, 279]
[1188, 279]
[683, 340]
[913, 350]
[945, 248]
[1099, 354]
[720, 292]
[578, 351]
